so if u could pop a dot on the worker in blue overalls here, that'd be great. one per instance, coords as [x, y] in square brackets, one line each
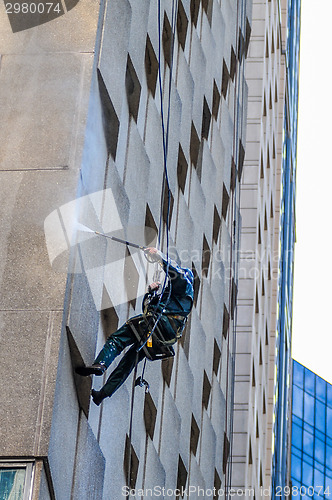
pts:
[174, 305]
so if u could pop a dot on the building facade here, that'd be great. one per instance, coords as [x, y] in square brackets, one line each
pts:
[85, 98]
[311, 459]
[281, 426]
[266, 255]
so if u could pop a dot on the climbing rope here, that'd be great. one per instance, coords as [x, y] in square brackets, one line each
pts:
[165, 139]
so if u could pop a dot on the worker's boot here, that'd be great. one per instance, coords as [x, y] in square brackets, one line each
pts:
[98, 396]
[95, 369]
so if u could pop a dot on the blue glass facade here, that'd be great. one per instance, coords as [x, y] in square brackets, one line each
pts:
[311, 458]
[280, 459]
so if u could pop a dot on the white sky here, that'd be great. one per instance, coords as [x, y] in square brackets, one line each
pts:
[312, 330]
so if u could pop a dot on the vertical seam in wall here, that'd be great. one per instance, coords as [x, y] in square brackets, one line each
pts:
[44, 378]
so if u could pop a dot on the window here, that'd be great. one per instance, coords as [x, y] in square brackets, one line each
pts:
[151, 66]
[309, 381]
[296, 467]
[307, 473]
[308, 443]
[320, 389]
[216, 99]
[298, 374]
[194, 435]
[150, 414]
[182, 25]
[133, 89]
[309, 403]
[182, 476]
[15, 480]
[206, 119]
[298, 402]
[130, 464]
[319, 450]
[111, 122]
[320, 416]
[296, 436]
[206, 390]
[167, 40]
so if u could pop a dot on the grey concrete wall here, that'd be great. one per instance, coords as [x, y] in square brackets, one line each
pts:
[181, 429]
[45, 78]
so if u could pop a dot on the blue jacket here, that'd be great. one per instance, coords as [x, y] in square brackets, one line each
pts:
[178, 295]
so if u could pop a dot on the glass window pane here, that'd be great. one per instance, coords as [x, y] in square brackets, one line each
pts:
[297, 420]
[296, 436]
[296, 468]
[328, 485]
[307, 472]
[308, 427]
[320, 467]
[298, 402]
[319, 450]
[329, 457]
[320, 416]
[308, 443]
[320, 389]
[329, 395]
[309, 381]
[329, 418]
[320, 435]
[309, 405]
[318, 478]
[298, 371]
[12, 484]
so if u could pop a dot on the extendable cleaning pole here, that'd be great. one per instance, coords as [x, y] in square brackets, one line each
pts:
[122, 241]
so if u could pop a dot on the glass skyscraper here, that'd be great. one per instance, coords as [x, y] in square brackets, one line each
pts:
[311, 452]
[280, 466]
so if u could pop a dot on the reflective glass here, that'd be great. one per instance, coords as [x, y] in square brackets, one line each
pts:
[329, 456]
[12, 484]
[318, 478]
[329, 395]
[307, 473]
[320, 416]
[309, 381]
[320, 435]
[297, 452]
[297, 436]
[298, 402]
[320, 389]
[296, 468]
[309, 405]
[319, 450]
[298, 371]
[297, 420]
[308, 427]
[308, 443]
[320, 466]
[328, 485]
[329, 419]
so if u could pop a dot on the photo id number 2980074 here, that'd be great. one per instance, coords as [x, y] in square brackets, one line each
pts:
[33, 8]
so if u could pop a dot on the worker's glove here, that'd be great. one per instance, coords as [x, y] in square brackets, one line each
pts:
[154, 287]
[152, 254]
